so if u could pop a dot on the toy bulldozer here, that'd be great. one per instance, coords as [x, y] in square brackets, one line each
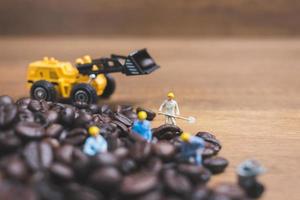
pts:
[50, 79]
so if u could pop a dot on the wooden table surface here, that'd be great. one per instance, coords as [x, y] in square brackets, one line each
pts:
[247, 92]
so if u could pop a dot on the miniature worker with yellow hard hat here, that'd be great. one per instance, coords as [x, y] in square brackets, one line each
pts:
[95, 143]
[170, 108]
[192, 148]
[142, 126]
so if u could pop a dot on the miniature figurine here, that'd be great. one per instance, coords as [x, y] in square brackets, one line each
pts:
[95, 143]
[170, 109]
[192, 148]
[143, 126]
[49, 78]
[247, 172]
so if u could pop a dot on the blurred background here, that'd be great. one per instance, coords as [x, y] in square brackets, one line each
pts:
[150, 17]
[233, 64]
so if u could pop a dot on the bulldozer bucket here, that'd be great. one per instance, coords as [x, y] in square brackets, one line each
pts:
[139, 63]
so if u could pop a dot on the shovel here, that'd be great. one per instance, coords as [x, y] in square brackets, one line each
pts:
[189, 119]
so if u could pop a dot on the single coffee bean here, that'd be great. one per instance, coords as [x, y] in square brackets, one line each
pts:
[6, 100]
[140, 151]
[67, 115]
[74, 191]
[23, 102]
[105, 160]
[211, 140]
[201, 192]
[61, 172]
[123, 119]
[150, 114]
[128, 166]
[65, 154]
[139, 183]
[177, 183]
[164, 150]
[38, 155]
[8, 114]
[9, 142]
[216, 164]
[25, 115]
[171, 130]
[196, 174]
[16, 169]
[51, 116]
[30, 130]
[232, 191]
[83, 120]
[94, 108]
[35, 106]
[106, 179]
[54, 130]
[76, 136]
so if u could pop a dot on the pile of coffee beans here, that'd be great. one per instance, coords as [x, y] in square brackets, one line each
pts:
[41, 156]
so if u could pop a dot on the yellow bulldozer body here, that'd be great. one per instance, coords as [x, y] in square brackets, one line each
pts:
[63, 75]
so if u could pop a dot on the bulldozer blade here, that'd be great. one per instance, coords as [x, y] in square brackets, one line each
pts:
[139, 63]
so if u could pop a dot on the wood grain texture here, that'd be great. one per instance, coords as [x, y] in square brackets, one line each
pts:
[247, 92]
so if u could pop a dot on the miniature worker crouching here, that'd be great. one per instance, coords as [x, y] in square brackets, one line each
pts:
[142, 126]
[95, 143]
[170, 108]
[247, 173]
[192, 148]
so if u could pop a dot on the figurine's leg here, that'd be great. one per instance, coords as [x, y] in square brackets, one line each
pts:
[198, 158]
[173, 120]
[168, 120]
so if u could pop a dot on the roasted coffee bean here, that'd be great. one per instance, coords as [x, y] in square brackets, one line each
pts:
[128, 166]
[155, 165]
[177, 183]
[105, 160]
[208, 152]
[140, 151]
[30, 130]
[171, 130]
[216, 164]
[232, 191]
[61, 172]
[124, 108]
[38, 155]
[123, 119]
[74, 191]
[94, 108]
[8, 114]
[51, 116]
[83, 120]
[211, 140]
[164, 150]
[23, 102]
[47, 190]
[35, 106]
[6, 100]
[9, 141]
[201, 192]
[106, 110]
[67, 115]
[65, 154]
[76, 136]
[197, 174]
[121, 126]
[25, 115]
[106, 179]
[139, 183]
[16, 169]
[150, 114]
[10, 190]
[54, 130]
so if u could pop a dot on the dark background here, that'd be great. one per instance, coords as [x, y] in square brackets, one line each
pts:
[150, 18]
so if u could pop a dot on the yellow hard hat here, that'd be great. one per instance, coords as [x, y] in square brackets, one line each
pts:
[142, 115]
[185, 137]
[171, 95]
[94, 130]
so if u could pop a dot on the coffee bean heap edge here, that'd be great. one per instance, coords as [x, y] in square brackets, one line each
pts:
[41, 156]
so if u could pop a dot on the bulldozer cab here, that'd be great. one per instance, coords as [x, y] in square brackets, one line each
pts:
[136, 63]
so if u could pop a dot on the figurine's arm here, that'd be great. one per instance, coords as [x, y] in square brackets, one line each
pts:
[103, 145]
[162, 106]
[177, 109]
[88, 147]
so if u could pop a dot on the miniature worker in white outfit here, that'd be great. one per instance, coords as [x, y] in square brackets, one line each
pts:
[170, 107]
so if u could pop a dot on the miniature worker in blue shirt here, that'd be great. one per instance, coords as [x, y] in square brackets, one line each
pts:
[95, 143]
[192, 148]
[143, 126]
